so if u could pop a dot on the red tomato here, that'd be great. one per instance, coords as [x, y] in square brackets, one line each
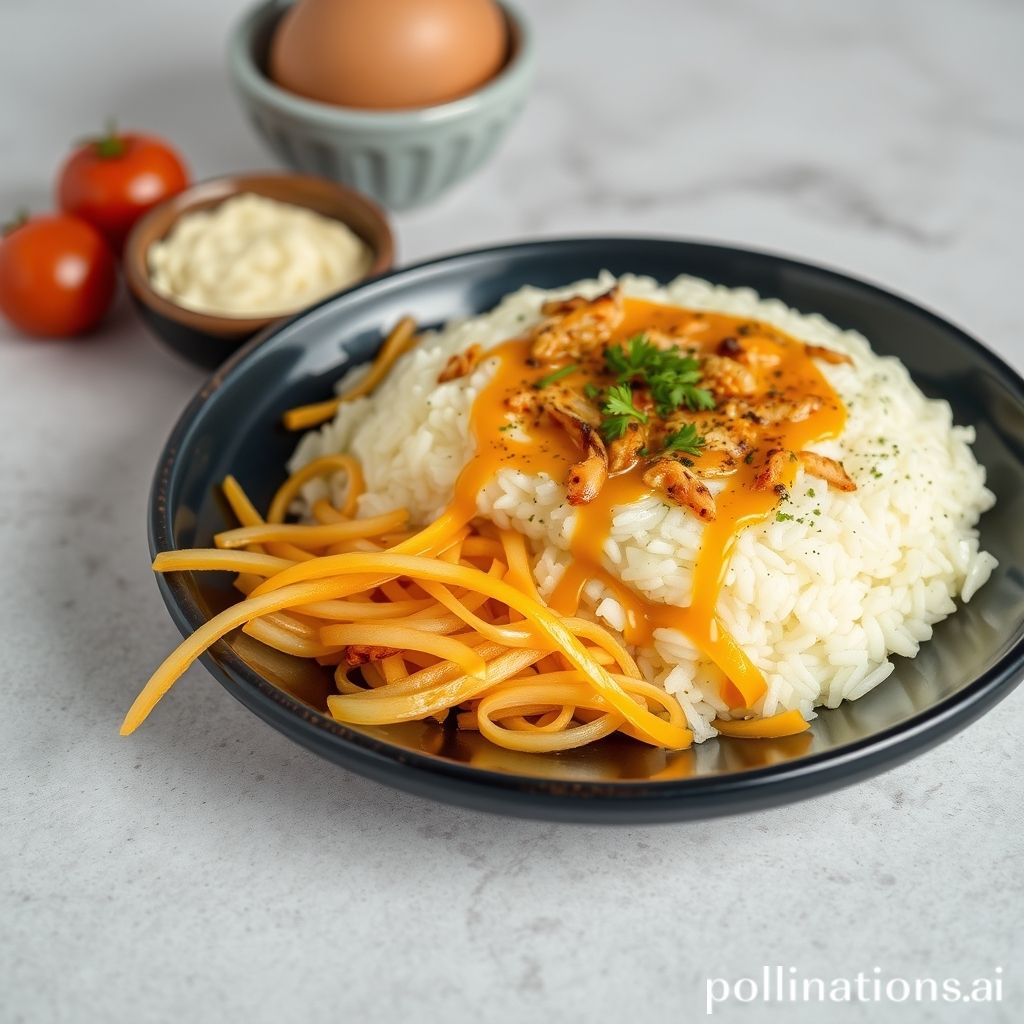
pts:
[57, 276]
[111, 182]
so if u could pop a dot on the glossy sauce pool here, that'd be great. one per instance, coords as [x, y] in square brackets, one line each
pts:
[541, 446]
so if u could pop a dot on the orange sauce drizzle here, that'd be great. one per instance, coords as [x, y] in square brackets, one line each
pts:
[548, 449]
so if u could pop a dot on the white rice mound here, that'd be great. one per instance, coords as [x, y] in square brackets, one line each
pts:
[820, 595]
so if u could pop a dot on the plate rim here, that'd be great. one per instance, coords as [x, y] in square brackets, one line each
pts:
[536, 796]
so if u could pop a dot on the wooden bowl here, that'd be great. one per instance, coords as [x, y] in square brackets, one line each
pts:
[207, 339]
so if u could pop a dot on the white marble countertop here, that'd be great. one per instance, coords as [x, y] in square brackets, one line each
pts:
[209, 870]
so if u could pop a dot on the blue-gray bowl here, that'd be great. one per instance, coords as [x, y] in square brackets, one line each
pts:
[233, 426]
[403, 158]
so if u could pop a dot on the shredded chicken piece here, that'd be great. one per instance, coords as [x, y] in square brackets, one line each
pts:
[771, 473]
[665, 340]
[576, 327]
[567, 408]
[570, 404]
[585, 478]
[727, 377]
[461, 364]
[821, 466]
[733, 438]
[735, 370]
[525, 402]
[827, 355]
[559, 307]
[683, 486]
[768, 411]
[360, 654]
[829, 470]
[624, 452]
[757, 358]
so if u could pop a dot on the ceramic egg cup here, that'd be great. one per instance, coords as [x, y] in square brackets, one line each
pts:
[403, 158]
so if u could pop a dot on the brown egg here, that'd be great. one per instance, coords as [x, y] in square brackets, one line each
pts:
[388, 54]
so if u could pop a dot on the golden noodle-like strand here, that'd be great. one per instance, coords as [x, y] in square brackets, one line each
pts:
[428, 541]
[361, 611]
[382, 706]
[310, 536]
[302, 417]
[515, 696]
[402, 638]
[397, 343]
[519, 572]
[245, 512]
[210, 632]
[199, 559]
[787, 723]
[433, 570]
[328, 464]
[501, 634]
[274, 634]
[394, 668]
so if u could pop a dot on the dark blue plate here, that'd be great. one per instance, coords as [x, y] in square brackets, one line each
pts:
[233, 425]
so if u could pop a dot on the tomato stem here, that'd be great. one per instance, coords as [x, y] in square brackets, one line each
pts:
[111, 145]
[20, 218]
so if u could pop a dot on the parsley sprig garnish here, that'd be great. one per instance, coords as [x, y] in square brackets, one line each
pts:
[619, 411]
[685, 439]
[557, 375]
[631, 359]
[672, 378]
